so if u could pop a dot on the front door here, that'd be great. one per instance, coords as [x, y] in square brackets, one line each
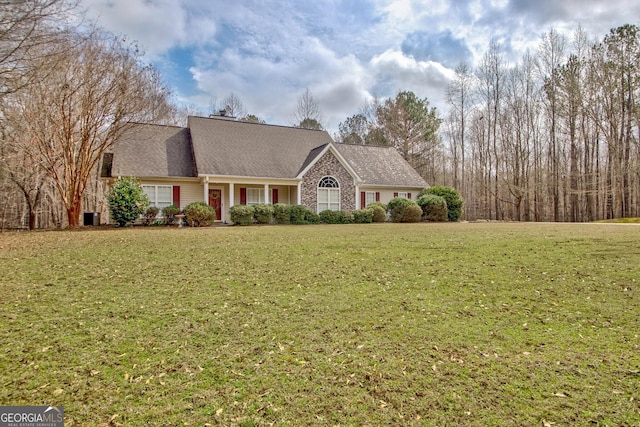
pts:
[215, 201]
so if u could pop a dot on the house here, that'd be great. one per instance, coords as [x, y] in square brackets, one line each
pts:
[226, 162]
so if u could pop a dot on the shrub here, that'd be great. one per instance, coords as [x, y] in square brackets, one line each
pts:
[397, 207]
[263, 214]
[311, 217]
[242, 214]
[282, 213]
[336, 217]
[363, 216]
[150, 215]
[298, 214]
[169, 213]
[453, 199]
[434, 208]
[199, 214]
[379, 204]
[379, 213]
[412, 213]
[127, 201]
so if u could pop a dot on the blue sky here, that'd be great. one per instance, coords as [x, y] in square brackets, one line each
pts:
[345, 52]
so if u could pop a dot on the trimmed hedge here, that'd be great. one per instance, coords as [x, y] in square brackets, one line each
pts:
[311, 217]
[404, 210]
[297, 214]
[150, 215]
[282, 213]
[242, 214]
[199, 214]
[412, 213]
[452, 197]
[263, 214]
[169, 213]
[363, 216]
[434, 208]
[379, 213]
[336, 217]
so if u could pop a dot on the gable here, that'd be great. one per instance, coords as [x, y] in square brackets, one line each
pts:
[328, 164]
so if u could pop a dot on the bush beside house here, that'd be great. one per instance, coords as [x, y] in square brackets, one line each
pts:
[379, 211]
[404, 210]
[150, 215]
[127, 201]
[262, 214]
[454, 201]
[169, 213]
[199, 214]
[242, 214]
[434, 208]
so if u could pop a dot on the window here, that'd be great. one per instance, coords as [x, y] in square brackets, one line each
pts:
[254, 196]
[328, 194]
[159, 196]
[404, 195]
[370, 198]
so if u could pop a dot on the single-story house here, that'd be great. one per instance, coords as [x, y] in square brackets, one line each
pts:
[227, 162]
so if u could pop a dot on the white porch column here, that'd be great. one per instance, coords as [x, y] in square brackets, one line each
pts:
[358, 201]
[232, 192]
[206, 190]
[267, 196]
[299, 197]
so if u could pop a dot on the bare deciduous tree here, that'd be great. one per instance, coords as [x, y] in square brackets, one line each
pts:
[307, 113]
[96, 90]
[233, 106]
[27, 27]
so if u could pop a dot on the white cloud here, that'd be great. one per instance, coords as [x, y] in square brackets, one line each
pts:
[269, 52]
[425, 78]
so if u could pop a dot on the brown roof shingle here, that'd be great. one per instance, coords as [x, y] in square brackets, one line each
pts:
[214, 146]
[154, 151]
[233, 148]
[377, 165]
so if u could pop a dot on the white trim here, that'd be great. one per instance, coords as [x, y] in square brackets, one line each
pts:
[223, 215]
[329, 191]
[226, 179]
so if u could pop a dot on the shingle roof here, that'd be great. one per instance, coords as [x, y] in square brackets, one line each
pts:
[214, 146]
[233, 148]
[380, 166]
[154, 151]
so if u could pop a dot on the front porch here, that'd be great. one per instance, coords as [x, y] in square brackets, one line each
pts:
[222, 194]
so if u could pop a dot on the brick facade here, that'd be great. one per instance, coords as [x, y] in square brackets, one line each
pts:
[328, 165]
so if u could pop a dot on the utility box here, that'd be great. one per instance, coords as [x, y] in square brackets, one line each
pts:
[91, 218]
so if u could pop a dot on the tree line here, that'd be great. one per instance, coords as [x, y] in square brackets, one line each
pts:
[553, 137]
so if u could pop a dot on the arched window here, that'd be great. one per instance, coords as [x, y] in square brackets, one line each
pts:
[328, 194]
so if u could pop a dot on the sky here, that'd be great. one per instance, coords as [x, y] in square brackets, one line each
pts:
[268, 53]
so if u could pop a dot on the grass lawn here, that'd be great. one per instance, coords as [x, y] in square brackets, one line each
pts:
[421, 324]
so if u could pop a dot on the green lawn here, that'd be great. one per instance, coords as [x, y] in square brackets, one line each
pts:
[416, 324]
